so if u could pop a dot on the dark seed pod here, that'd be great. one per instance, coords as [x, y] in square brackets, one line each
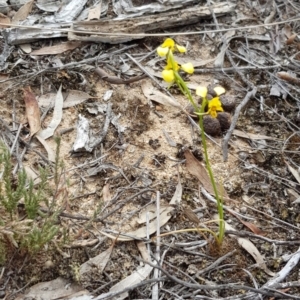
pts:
[211, 125]
[210, 90]
[224, 120]
[228, 103]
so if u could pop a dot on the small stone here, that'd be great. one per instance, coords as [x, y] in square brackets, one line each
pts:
[211, 125]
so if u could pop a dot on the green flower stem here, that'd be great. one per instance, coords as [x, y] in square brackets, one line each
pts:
[182, 85]
[185, 90]
[219, 201]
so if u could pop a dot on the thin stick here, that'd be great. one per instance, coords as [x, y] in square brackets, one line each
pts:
[151, 76]
[233, 69]
[229, 286]
[248, 96]
[16, 139]
[156, 274]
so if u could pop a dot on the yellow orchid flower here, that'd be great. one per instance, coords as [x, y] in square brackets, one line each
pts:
[168, 75]
[169, 65]
[219, 90]
[180, 49]
[188, 68]
[201, 91]
[214, 105]
[167, 45]
[162, 52]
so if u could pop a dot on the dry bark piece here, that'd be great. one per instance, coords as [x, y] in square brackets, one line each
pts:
[136, 27]
[211, 125]
[224, 120]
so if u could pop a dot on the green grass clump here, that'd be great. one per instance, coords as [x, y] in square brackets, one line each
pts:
[22, 223]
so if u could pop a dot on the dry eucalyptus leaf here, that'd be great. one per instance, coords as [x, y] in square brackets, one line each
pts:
[73, 97]
[196, 62]
[252, 136]
[4, 20]
[23, 12]
[251, 226]
[291, 39]
[289, 34]
[99, 262]
[150, 210]
[198, 170]
[289, 77]
[54, 289]
[57, 49]
[138, 276]
[50, 152]
[155, 95]
[142, 232]
[293, 171]
[32, 111]
[56, 119]
[165, 215]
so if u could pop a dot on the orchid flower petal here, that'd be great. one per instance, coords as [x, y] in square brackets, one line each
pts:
[168, 43]
[201, 91]
[180, 49]
[219, 90]
[168, 75]
[162, 52]
[188, 68]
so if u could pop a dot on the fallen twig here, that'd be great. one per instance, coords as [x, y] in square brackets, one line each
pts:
[155, 288]
[259, 237]
[238, 109]
[116, 80]
[230, 286]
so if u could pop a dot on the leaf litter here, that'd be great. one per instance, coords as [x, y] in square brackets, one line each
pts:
[143, 155]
